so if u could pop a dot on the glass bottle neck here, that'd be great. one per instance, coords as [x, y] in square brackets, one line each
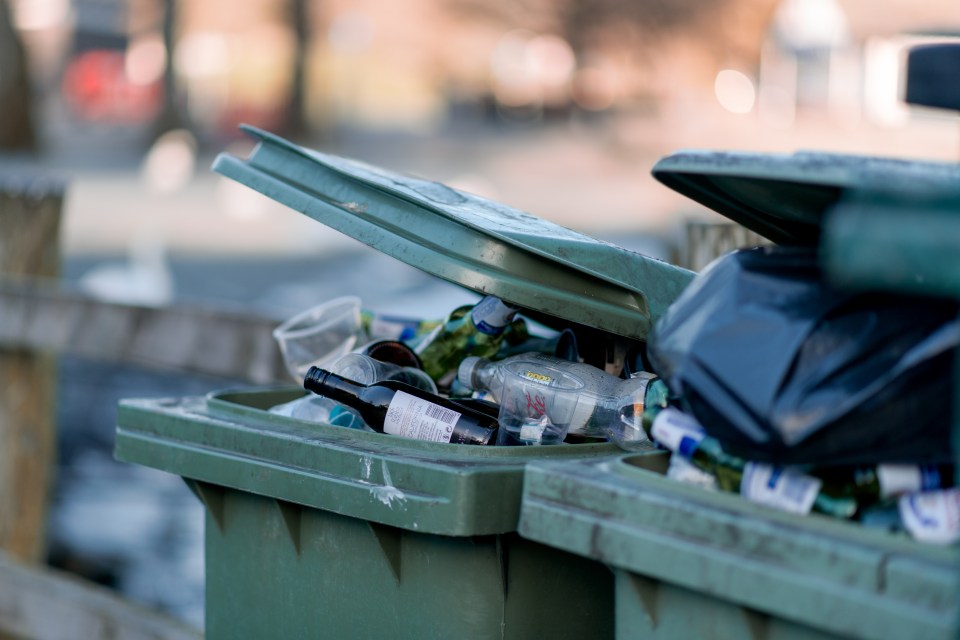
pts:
[330, 385]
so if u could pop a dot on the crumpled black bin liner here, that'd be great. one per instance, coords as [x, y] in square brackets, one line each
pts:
[781, 367]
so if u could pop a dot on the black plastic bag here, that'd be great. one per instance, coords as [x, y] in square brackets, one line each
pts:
[781, 367]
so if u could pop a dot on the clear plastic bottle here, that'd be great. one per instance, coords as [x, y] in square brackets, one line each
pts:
[603, 394]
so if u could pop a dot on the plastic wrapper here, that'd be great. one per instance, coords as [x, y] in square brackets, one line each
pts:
[781, 367]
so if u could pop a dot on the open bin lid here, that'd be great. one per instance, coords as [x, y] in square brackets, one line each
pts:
[784, 197]
[482, 245]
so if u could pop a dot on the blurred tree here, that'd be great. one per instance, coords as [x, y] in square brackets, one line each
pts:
[170, 116]
[296, 124]
[727, 30]
[721, 32]
[16, 120]
[524, 14]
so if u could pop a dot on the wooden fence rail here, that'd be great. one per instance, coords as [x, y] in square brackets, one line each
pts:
[41, 315]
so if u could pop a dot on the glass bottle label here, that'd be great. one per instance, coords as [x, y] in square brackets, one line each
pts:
[779, 488]
[491, 315]
[411, 417]
[932, 516]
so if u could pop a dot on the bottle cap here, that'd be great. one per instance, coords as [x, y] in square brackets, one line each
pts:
[465, 372]
[492, 315]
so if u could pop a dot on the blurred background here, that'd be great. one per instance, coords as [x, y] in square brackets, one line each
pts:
[556, 107]
[132, 98]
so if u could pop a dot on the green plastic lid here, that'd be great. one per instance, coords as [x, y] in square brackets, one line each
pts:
[482, 245]
[784, 197]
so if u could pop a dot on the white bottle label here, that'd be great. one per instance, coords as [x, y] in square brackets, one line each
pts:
[932, 516]
[677, 431]
[898, 479]
[779, 488]
[532, 432]
[491, 315]
[411, 417]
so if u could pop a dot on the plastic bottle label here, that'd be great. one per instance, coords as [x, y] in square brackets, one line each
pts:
[779, 488]
[532, 432]
[411, 417]
[491, 316]
[677, 431]
[932, 516]
[536, 376]
[898, 479]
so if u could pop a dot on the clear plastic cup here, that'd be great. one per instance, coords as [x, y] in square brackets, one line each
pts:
[319, 335]
[537, 403]
[366, 370]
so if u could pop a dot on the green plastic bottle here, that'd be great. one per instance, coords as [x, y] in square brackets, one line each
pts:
[478, 331]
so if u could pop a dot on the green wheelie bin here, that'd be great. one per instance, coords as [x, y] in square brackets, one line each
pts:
[318, 531]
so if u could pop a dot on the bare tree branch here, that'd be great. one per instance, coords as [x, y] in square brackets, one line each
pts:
[16, 121]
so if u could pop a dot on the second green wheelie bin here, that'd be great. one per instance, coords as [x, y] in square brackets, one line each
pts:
[692, 563]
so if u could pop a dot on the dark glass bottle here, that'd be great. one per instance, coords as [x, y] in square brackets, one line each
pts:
[403, 410]
[869, 484]
[730, 472]
[772, 485]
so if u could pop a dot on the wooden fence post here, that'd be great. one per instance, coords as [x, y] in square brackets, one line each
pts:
[706, 241]
[29, 246]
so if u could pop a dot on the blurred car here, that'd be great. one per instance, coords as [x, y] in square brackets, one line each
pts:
[97, 86]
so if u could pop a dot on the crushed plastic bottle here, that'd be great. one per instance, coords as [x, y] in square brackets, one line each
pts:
[603, 394]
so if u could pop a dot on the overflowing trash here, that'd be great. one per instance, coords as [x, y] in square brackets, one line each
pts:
[781, 367]
[480, 362]
[919, 499]
[763, 381]
[805, 398]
